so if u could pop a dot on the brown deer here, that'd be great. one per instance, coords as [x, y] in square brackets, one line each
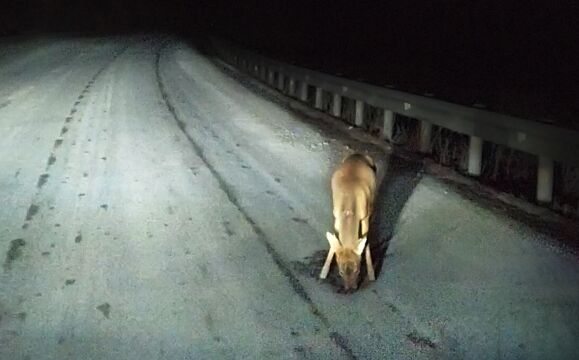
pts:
[353, 189]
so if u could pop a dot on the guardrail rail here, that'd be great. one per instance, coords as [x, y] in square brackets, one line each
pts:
[549, 143]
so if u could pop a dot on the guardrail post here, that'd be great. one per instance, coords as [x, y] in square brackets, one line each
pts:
[280, 79]
[304, 91]
[388, 125]
[359, 120]
[425, 135]
[318, 102]
[337, 105]
[545, 180]
[270, 77]
[291, 87]
[475, 155]
[262, 73]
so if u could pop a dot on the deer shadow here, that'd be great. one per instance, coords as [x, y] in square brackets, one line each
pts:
[395, 188]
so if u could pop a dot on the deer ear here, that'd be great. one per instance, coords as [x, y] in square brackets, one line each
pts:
[361, 245]
[333, 240]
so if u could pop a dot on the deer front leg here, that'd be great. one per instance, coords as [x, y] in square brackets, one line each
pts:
[327, 264]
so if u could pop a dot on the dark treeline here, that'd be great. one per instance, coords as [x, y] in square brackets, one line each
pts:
[513, 54]
[108, 16]
[451, 37]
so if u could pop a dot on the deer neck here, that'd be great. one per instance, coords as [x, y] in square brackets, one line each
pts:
[349, 229]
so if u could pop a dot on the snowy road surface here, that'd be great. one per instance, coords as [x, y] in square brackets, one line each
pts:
[154, 205]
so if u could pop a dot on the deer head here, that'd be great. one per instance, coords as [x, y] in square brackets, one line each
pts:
[348, 260]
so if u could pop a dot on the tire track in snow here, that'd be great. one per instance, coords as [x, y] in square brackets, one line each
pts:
[34, 208]
[339, 340]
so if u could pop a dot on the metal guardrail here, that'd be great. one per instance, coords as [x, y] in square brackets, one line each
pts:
[549, 143]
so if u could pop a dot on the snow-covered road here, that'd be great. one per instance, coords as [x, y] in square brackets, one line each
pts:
[157, 205]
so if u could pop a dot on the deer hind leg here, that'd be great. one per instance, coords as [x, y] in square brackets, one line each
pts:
[327, 264]
[369, 265]
[337, 224]
[365, 225]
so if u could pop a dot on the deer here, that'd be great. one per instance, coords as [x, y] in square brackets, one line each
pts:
[353, 185]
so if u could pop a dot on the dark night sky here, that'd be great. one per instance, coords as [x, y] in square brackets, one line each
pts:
[485, 49]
